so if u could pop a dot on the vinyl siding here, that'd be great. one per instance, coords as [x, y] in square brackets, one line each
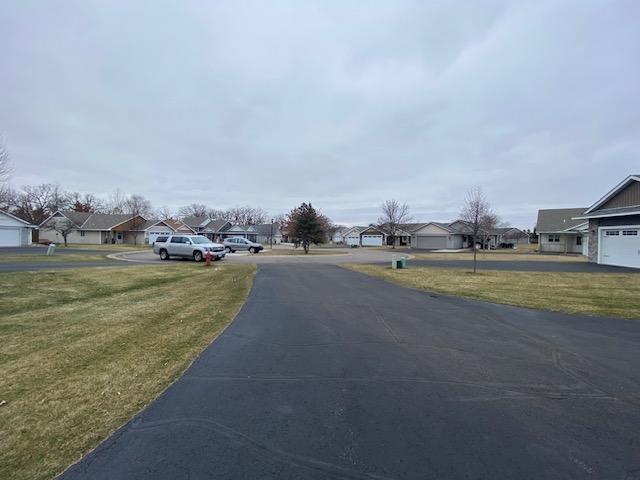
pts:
[628, 197]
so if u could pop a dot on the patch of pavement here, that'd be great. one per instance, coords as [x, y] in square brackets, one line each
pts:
[328, 373]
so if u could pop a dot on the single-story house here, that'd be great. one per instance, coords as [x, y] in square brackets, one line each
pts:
[372, 236]
[268, 232]
[613, 225]
[351, 236]
[211, 228]
[157, 228]
[441, 236]
[95, 228]
[513, 235]
[14, 232]
[559, 232]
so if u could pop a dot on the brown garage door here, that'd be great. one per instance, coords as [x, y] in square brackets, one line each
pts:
[433, 242]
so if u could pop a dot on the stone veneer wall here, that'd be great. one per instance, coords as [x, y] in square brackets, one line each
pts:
[594, 223]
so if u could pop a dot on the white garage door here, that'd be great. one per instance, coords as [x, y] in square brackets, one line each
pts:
[353, 240]
[9, 237]
[432, 243]
[154, 235]
[620, 246]
[371, 240]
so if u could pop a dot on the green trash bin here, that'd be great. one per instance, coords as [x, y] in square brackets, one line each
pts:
[402, 263]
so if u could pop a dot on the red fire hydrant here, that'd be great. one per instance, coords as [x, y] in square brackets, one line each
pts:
[207, 257]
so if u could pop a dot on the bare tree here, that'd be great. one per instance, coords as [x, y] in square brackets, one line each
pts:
[139, 208]
[394, 215]
[246, 215]
[193, 210]
[476, 213]
[64, 228]
[164, 213]
[116, 202]
[87, 202]
[6, 165]
[36, 203]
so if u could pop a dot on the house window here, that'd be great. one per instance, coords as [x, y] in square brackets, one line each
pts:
[612, 233]
[554, 238]
[630, 232]
[82, 233]
[578, 240]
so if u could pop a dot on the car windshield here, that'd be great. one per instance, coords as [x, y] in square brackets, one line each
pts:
[200, 240]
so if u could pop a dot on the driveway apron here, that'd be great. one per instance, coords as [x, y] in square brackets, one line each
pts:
[328, 373]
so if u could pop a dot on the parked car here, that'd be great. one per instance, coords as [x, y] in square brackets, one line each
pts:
[187, 246]
[233, 244]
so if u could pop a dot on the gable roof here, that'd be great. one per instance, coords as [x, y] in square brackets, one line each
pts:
[558, 220]
[177, 224]
[105, 221]
[217, 225]
[4, 212]
[613, 192]
[267, 229]
[196, 221]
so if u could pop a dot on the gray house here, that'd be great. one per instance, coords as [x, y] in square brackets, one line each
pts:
[560, 232]
[613, 225]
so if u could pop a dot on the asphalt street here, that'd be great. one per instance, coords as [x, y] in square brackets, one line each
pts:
[328, 373]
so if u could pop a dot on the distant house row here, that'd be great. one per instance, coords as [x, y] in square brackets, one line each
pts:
[96, 228]
[607, 232]
[430, 235]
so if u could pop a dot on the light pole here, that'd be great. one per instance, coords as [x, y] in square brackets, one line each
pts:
[271, 233]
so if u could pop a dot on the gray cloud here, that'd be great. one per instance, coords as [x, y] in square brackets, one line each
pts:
[341, 103]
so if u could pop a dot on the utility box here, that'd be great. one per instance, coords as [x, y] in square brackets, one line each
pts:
[51, 249]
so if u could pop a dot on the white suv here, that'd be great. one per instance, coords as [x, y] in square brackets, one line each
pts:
[187, 246]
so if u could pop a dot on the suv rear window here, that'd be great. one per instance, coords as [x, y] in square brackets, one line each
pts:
[177, 240]
[161, 239]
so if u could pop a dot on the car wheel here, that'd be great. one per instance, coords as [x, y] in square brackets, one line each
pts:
[252, 250]
[197, 256]
[227, 249]
[164, 255]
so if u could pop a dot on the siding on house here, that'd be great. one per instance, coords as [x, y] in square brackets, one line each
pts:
[89, 237]
[629, 196]
[568, 243]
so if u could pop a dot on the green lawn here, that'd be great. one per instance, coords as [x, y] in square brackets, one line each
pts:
[83, 350]
[605, 294]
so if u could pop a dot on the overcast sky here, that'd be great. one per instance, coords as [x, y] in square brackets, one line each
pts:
[344, 104]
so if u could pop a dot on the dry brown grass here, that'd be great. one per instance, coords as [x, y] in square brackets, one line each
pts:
[83, 350]
[67, 257]
[522, 253]
[605, 294]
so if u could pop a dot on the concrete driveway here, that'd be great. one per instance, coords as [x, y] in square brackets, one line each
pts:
[328, 373]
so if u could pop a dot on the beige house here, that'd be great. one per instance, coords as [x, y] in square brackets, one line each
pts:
[94, 228]
[559, 232]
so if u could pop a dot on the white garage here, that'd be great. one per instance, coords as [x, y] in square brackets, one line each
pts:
[620, 246]
[371, 237]
[353, 239]
[14, 232]
[371, 240]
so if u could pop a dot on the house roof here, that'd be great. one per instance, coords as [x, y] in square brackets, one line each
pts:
[216, 225]
[613, 192]
[610, 212]
[77, 218]
[196, 221]
[267, 229]
[557, 220]
[105, 221]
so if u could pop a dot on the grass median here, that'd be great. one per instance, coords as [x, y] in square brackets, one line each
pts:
[604, 294]
[36, 258]
[83, 350]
